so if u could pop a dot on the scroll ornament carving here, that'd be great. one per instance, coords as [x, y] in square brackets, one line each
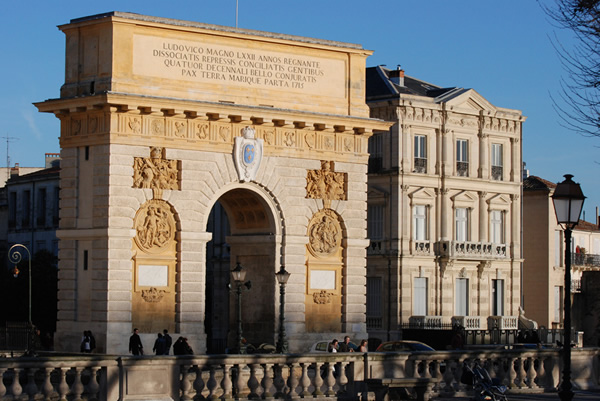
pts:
[269, 137]
[154, 224]
[180, 129]
[202, 130]
[325, 233]
[290, 138]
[348, 145]
[224, 133]
[325, 183]
[157, 127]
[322, 297]
[153, 295]
[155, 172]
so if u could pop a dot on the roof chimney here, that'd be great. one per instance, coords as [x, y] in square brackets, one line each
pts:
[397, 76]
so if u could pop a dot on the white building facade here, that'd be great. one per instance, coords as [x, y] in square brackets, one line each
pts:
[444, 208]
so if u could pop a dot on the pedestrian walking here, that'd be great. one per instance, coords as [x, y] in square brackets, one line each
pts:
[168, 341]
[135, 344]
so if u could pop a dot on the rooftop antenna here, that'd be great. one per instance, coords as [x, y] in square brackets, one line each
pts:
[236, 12]
[8, 139]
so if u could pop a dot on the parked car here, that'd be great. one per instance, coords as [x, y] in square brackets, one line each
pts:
[321, 346]
[404, 345]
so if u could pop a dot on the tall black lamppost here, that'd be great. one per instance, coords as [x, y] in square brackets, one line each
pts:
[568, 202]
[282, 277]
[239, 275]
[15, 257]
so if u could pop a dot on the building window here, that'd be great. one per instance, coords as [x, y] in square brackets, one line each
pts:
[12, 209]
[375, 222]
[461, 221]
[26, 210]
[558, 249]
[420, 296]
[497, 226]
[41, 208]
[375, 153]
[374, 303]
[462, 297]
[462, 158]
[420, 222]
[558, 303]
[498, 297]
[55, 206]
[420, 154]
[497, 161]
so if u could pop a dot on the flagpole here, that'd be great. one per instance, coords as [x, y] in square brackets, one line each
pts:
[236, 12]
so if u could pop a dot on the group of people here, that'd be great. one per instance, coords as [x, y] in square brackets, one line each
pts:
[336, 346]
[162, 344]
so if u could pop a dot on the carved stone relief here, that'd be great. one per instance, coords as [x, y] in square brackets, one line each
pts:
[202, 130]
[322, 297]
[155, 172]
[153, 295]
[135, 125]
[154, 225]
[325, 183]
[325, 233]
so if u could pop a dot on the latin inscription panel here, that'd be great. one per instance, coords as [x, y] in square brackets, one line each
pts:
[256, 69]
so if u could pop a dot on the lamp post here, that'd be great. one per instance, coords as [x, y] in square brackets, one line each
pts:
[15, 257]
[282, 277]
[239, 275]
[568, 202]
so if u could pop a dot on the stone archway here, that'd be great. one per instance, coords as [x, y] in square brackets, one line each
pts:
[251, 241]
[161, 112]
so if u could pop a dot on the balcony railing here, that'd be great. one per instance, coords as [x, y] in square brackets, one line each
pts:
[497, 173]
[426, 322]
[475, 250]
[503, 322]
[374, 322]
[469, 322]
[585, 259]
[420, 165]
[343, 376]
[462, 169]
[422, 247]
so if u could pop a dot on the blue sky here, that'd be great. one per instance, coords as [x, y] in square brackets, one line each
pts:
[501, 49]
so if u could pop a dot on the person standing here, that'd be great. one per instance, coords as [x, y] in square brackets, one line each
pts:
[168, 341]
[333, 346]
[159, 345]
[363, 346]
[345, 346]
[135, 344]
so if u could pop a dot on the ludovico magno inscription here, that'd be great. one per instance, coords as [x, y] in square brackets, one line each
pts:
[216, 63]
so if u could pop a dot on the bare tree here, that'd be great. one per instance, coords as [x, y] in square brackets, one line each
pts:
[578, 103]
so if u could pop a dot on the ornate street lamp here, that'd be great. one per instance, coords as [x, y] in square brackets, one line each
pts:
[568, 202]
[282, 277]
[15, 257]
[239, 275]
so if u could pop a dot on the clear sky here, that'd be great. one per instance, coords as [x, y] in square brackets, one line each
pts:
[501, 49]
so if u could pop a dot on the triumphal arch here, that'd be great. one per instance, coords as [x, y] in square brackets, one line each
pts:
[161, 122]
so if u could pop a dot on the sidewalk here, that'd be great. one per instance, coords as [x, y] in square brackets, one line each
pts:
[579, 395]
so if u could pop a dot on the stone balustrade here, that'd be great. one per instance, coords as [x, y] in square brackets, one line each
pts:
[322, 376]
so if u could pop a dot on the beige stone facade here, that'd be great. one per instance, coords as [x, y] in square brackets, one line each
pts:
[161, 119]
[544, 253]
[444, 208]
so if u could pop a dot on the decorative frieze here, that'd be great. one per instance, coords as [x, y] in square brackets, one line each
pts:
[323, 297]
[153, 295]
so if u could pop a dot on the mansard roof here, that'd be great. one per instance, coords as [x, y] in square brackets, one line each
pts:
[380, 85]
[384, 84]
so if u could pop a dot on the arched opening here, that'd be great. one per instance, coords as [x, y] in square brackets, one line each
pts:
[243, 231]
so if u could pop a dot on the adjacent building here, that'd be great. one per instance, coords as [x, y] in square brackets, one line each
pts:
[544, 253]
[444, 208]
